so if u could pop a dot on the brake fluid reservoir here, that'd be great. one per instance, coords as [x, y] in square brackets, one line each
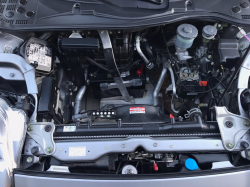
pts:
[186, 34]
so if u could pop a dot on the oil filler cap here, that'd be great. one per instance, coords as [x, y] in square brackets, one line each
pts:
[191, 164]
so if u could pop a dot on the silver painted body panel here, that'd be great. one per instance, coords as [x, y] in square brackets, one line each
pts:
[239, 179]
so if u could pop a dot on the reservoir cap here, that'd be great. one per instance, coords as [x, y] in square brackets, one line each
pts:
[187, 31]
[191, 164]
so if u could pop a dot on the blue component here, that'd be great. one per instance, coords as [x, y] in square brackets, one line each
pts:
[191, 164]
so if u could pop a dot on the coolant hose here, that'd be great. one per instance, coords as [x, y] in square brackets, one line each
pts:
[79, 97]
[149, 64]
[148, 50]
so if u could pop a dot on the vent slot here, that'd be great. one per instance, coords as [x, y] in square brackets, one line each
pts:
[21, 22]
[11, 7]
[8, 21]
[3, 1]
[2, 8]
[12, 1]
[245, 16]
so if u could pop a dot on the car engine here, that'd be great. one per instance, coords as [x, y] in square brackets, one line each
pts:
[137, 101]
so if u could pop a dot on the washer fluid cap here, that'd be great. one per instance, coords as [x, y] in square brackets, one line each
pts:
[191, 164]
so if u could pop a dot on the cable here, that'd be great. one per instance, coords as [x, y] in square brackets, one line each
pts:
[97, 64]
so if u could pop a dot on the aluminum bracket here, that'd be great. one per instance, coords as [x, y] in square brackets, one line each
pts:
[232, 127]
[42, 133]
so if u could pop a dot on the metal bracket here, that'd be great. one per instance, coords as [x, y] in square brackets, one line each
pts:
[244, 74]
[42, 133]
[194, 110]
[110, 60]
[232, 127]
[130, 83]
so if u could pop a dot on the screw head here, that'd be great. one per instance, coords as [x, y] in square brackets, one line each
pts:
[29, 159]
[246, 123]
[12, 75]
[130, 171]
[29, 128]
[49, 150]
[123, 145]
[230, 146]
[155, 144]
[229, 124]
[48, 128]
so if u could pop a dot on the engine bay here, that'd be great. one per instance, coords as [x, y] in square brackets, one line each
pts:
[171, 98]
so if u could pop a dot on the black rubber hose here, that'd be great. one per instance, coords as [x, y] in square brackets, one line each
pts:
[60, 77]
[96, 64]
[149, 51]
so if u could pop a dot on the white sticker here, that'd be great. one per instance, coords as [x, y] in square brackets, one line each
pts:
[77, 151]
[64, 169]
[137, 110]
[69, 128]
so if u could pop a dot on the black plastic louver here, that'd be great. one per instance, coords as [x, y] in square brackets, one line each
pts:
[11, 7]
[245, 16]
[2, 8]
[21, 22]
[12, 1]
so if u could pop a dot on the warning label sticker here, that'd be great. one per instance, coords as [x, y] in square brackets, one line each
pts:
[77, 151]
[137, 110]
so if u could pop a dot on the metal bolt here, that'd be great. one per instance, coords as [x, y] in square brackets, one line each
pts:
[209, 56]
[60, 149]
[246, 123]
[30, 128]
[12, 75]
[123, 146]
[219, 25]
[129, 171]
[106, 148]
[48, 128]
[171, 146]
[217, 145]
[23, 97]
[119, 32]
[155, 144]
[212, 63]
[229, 145]
[229, 124]
[49, 150]
[29, 159]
